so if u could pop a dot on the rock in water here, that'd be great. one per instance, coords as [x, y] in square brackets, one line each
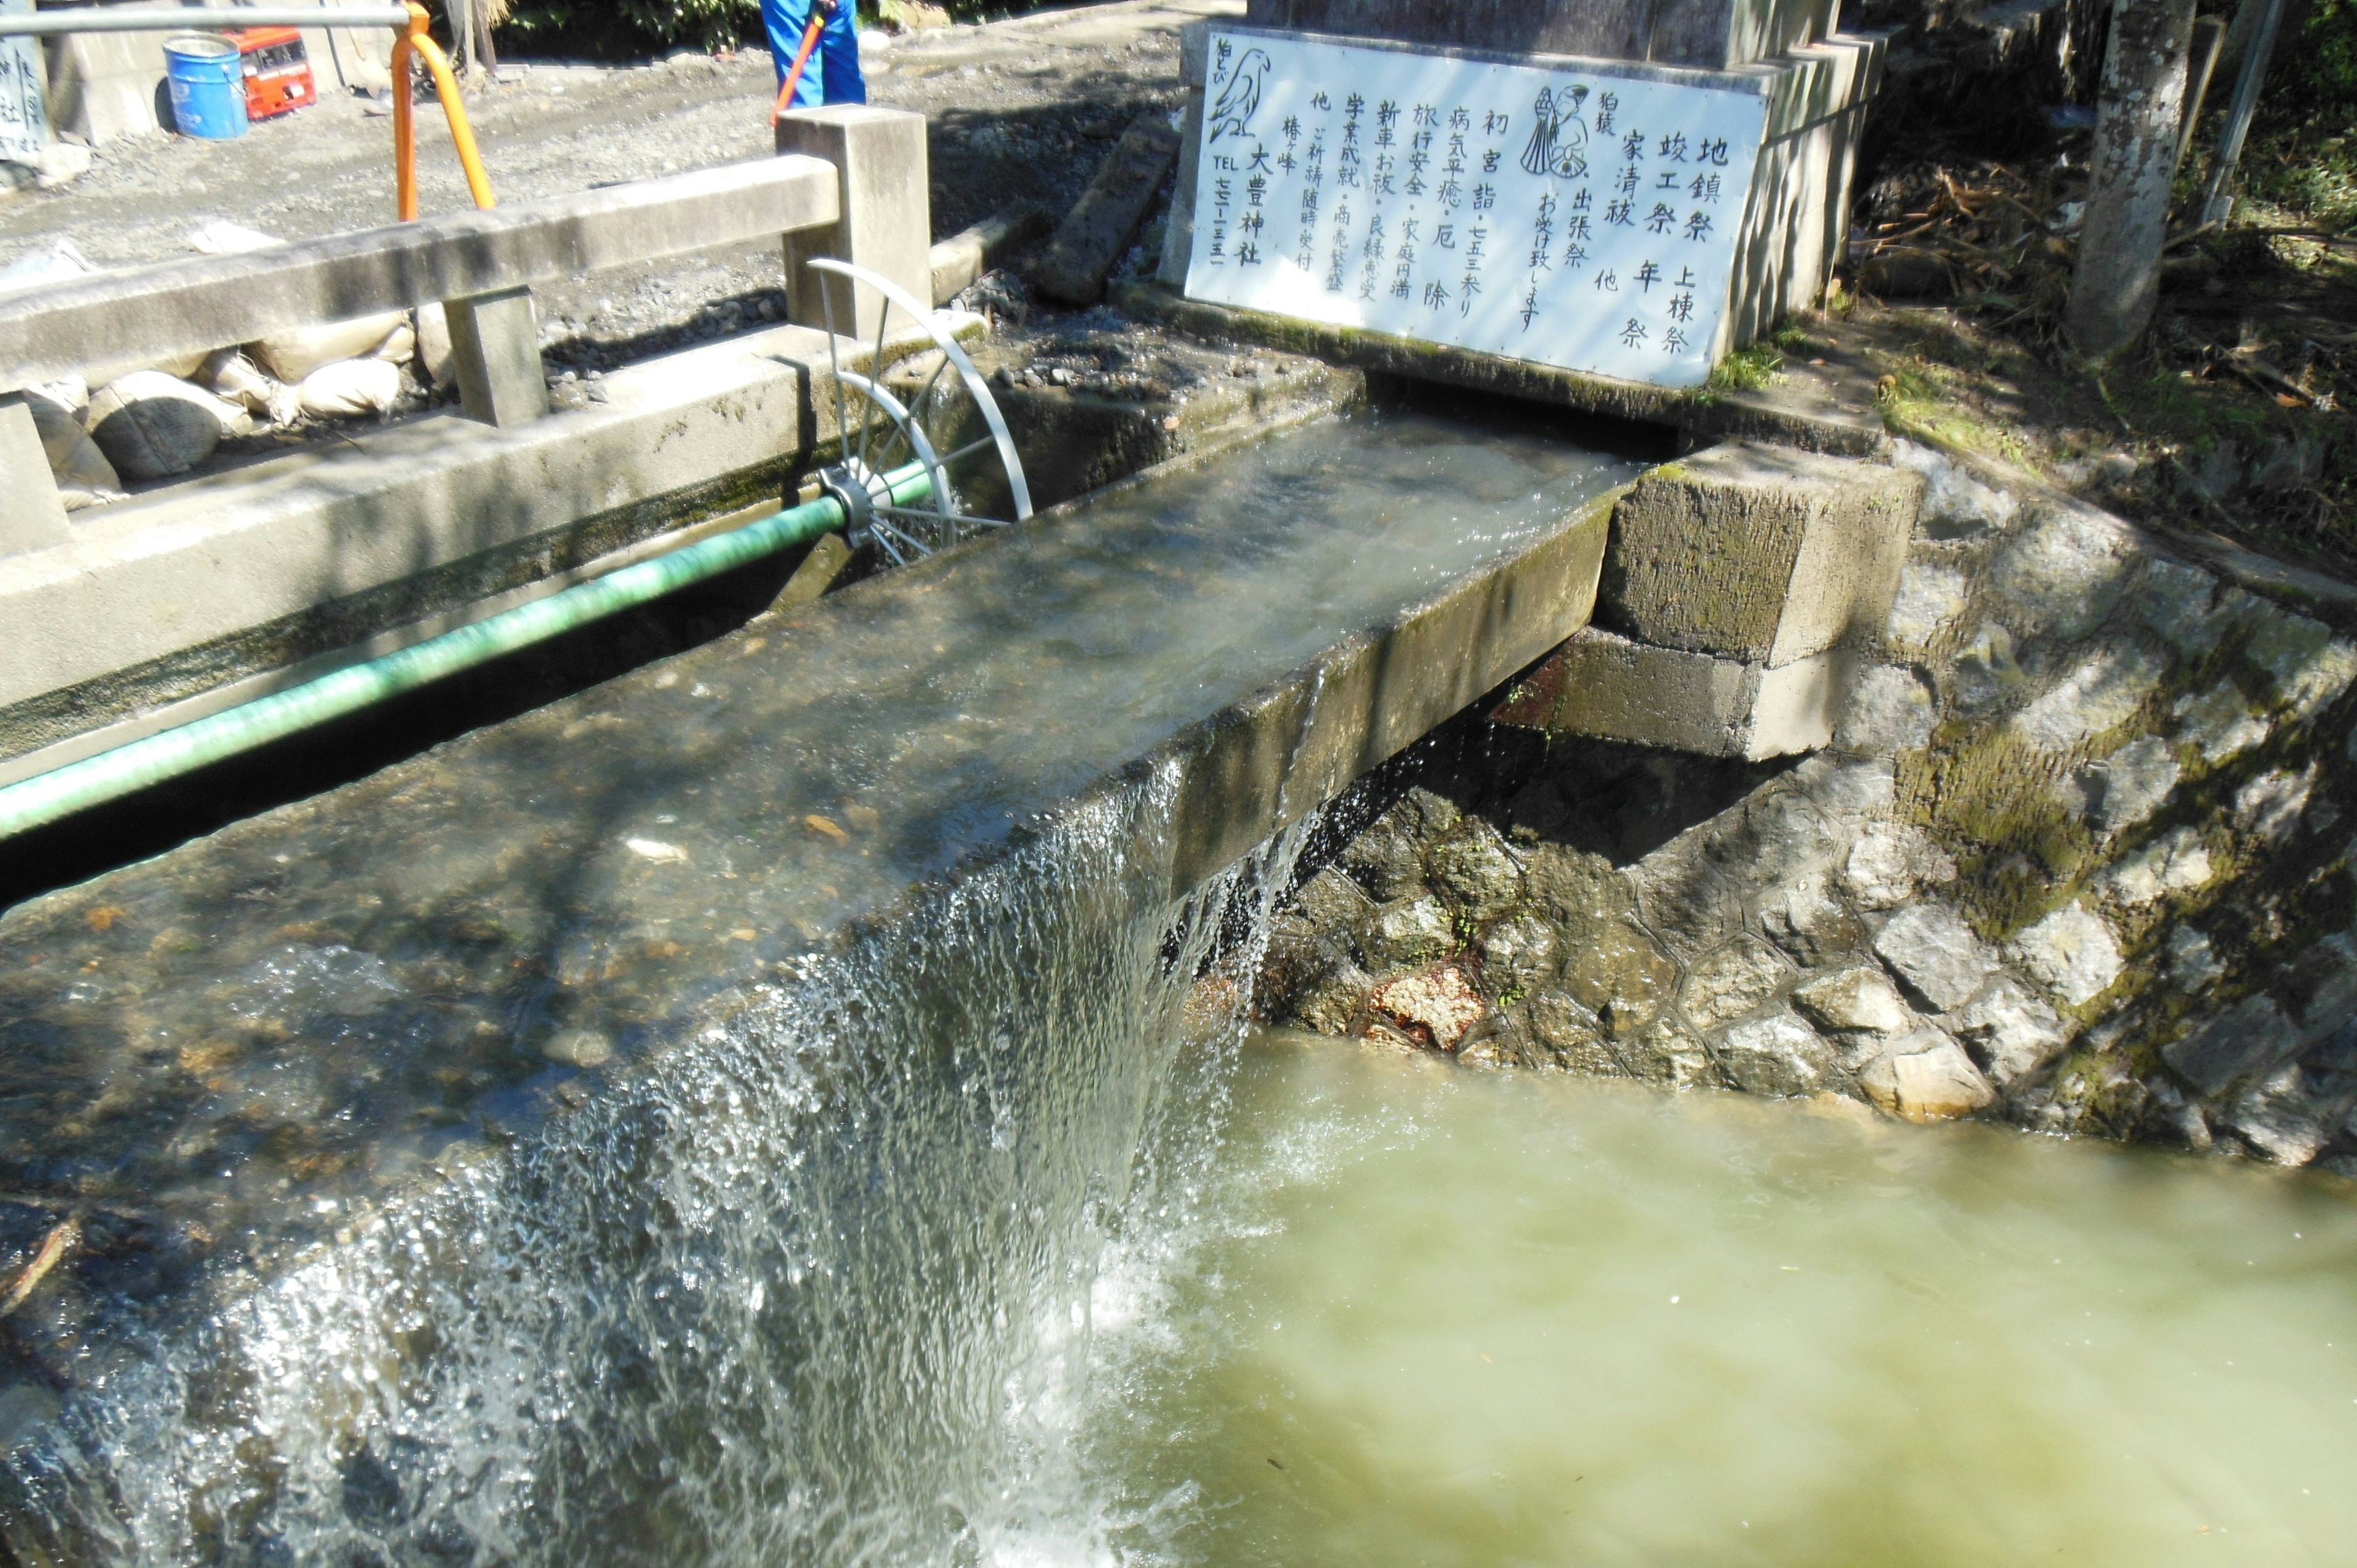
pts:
[1106, 220]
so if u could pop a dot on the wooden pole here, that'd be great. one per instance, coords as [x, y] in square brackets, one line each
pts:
[2117, 284]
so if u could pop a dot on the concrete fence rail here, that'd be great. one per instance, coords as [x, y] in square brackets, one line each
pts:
[116, 322]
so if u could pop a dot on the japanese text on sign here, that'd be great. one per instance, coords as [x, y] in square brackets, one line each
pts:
[23, 124]
[1585, 221]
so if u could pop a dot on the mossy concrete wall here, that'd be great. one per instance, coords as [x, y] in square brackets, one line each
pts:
[2077, 857]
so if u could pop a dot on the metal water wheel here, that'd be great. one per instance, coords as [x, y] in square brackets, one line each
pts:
[896, 483]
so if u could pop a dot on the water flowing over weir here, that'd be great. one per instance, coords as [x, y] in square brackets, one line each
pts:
[679, 1124]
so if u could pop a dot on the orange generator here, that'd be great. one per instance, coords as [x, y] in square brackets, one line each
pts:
[278, 78]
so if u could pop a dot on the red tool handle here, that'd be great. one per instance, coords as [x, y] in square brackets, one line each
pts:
[821, 11]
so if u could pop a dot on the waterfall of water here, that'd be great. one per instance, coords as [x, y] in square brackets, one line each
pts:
[793, 1293]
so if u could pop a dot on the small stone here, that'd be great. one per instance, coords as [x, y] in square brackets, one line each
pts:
[1888, 864]
[2282, 1118]
[2188, 960]
[2102, 692]
[1441, 1002]
[1577, 890]
[2310, 666]
[2268, 807]
[1386, 858]
[1775, 1054]
[2010, 1032]
[1518, 955]
[2219, 723]
[1858, 999]
[1666, 1052]
[2174, 863]
[2120, 790]
[1847, 791]
[1809, 924]
[2174, 601]
[1473, 870]
[661, 853]
[1889, 710]
[2250, 1036]
[1930, 598]
[1574, 1034]
[1926, 1076]
[1935, 954]
[583, 1048]
[1987, 673]
[2062, 576]
[1333, 1003]
[1731, 982]
[2073, 953]
[1620, 976]
[1955, 505]
[1409, 932]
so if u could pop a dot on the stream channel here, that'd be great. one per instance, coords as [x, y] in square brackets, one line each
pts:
[768, 1109]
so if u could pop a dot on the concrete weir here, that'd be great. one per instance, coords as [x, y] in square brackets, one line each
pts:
[245, 1053]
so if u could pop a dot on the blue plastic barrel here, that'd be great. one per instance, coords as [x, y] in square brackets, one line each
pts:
[207, 81]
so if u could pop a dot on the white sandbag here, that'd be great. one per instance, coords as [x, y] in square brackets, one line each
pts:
[69, 393]
[294, 354]
[435, 353]
[229, 375]
[351, 387]
[400, 345]
[84, 477]
[152, 425]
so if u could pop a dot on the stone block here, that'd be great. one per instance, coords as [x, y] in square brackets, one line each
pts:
[2250, 1036]
[1615, 689]
[33, 516]
[1104, 222]
[495, 352]
[107, 86]
[1926, 1076]
[965, 255]
[1934, 954]
[1759, 554]
[886, 223]
[1776, 1053]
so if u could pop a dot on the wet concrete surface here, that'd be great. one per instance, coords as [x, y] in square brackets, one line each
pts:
[219, 1058]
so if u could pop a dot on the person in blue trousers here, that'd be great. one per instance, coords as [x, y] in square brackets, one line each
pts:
[832, 75]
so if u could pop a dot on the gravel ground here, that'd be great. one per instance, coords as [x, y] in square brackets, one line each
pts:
[1019, 110]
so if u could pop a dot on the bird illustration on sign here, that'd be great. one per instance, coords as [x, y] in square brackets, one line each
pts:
[1239, 98]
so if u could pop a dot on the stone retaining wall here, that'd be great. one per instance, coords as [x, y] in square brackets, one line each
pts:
[2077, 858]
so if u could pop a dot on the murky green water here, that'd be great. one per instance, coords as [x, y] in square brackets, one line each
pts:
[1427, 1315]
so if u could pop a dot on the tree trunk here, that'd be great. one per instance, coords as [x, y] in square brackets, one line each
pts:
[2118, 280]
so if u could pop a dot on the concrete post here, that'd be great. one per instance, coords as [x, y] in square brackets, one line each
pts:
[31, 515]
[495, 346]
[1178, 231]
[2117, 284]
[887, 224]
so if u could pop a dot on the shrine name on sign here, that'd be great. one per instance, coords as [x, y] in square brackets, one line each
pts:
[1554, 212]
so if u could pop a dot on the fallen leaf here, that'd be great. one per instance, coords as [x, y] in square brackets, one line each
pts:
[742, 934]
[104, 917]
[825, 828]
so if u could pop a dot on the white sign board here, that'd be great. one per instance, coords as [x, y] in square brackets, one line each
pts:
[1572, 218]
[24, 122]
